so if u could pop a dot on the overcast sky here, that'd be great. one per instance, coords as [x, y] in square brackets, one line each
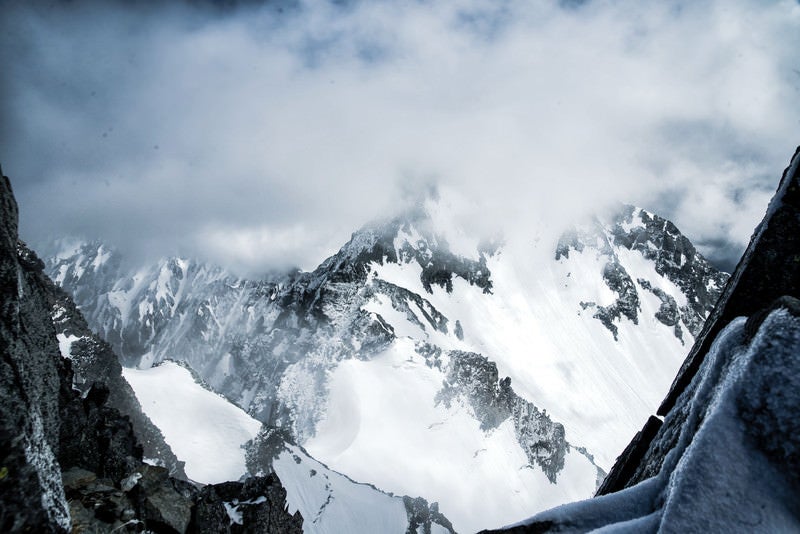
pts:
[261, 135]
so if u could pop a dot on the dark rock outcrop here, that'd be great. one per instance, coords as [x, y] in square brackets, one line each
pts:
[421, 516]
[627, 303]
[474, 379]
[252, 507]
[31, 380]
[69, 460]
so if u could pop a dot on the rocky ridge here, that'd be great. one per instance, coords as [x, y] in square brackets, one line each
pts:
[473, 378]
[70, 460]
[673, 257]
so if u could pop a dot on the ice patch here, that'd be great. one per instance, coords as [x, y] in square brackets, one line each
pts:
[65, 344]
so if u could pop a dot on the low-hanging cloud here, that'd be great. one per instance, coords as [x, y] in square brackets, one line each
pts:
[260, 136]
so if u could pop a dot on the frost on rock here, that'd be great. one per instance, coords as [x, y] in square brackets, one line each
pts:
[769, 402]
[40, 456]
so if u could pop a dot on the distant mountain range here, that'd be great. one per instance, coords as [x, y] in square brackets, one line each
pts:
[496, 381]
[491, 380]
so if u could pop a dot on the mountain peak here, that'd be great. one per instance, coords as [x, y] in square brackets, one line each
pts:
[421, 303]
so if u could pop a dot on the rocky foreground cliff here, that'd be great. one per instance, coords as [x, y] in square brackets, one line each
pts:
[69, 459]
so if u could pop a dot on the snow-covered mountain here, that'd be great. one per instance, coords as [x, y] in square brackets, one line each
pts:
[726, 455]
[328, 501]
[496, 380]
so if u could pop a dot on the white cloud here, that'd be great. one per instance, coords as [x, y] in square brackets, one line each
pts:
[276, 135]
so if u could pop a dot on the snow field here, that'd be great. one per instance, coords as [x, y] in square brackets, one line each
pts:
[202, 428]
[331, 503]
[559, 356]
[207, 432]
[383, 426]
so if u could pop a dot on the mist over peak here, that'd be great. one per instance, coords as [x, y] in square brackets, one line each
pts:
[260, 135]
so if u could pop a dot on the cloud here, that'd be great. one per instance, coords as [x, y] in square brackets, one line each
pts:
[261, 135]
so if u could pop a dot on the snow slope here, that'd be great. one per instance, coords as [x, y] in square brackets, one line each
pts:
[331, 503]
[734, 468]
[207, 432]
[385, 425]
[202, 428]
[557, 355]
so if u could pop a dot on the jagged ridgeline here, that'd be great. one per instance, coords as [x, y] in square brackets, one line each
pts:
[673, 257]
[70, 459]
[417, 356]
[726, 456]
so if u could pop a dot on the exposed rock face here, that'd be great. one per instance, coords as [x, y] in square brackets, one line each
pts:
[673, 256]
[668, 313]
[474, 379]
[30, 385]
[255, 506]
[70, 460]
[150, 499]
[422, 515]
